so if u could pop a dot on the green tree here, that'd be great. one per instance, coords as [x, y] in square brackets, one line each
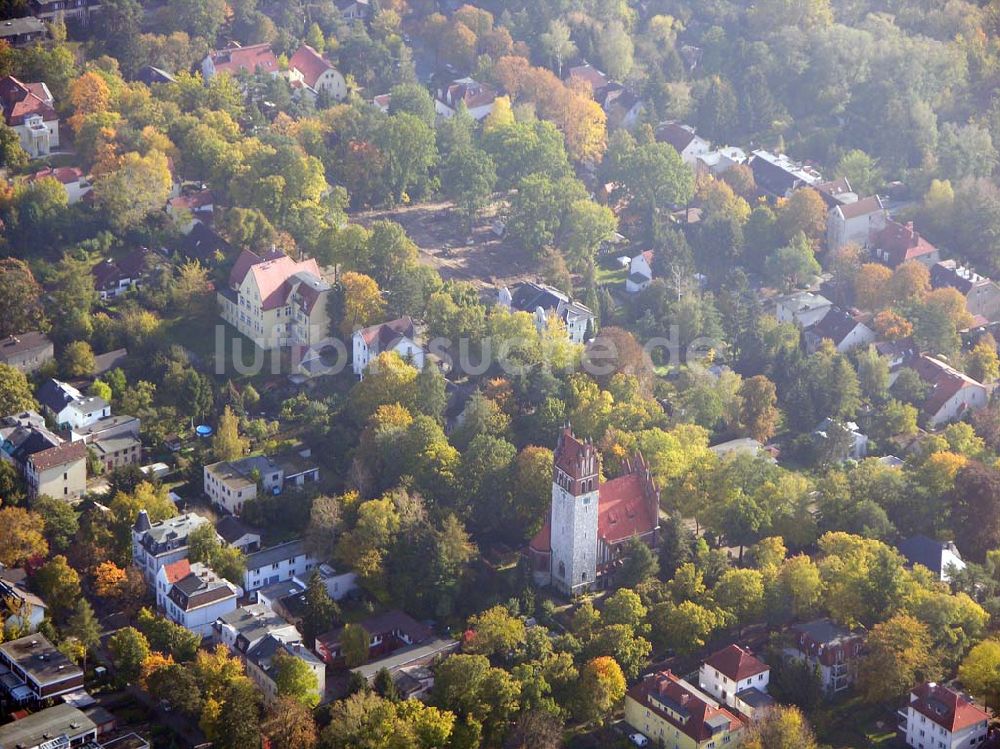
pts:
[129, 648]
[227, 444]
[741, 593]
[289, 725]
[898, 655]
[495, 632]
[294, 678]
[320, 610]
[354, 644]
[792, 266]
[15, 392]
[584, 227]
[60, 519]
[784, 727]
[980, 671]
[640, 564]
[861, 171]
[84, 626]
[410, 151]
[20, 300]
[59, 585]
[240, 715]
[469, 177]
[600, 689]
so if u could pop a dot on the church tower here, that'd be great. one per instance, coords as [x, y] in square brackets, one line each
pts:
[574, 520]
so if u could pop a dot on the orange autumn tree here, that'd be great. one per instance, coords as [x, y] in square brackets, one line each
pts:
[109, 579]
[892, 325]
[89, 94]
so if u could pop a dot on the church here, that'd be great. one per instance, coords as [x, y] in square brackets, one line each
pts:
[591, 522]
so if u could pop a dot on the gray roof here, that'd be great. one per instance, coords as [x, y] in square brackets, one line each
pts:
[823, 631]
[171, 533]
[281, 552]
[116, 444]
[926, 552]
[755, 698]
[232, 529]
[406, 656]
[37, 728]
[89, 404]
[253, 622]
[56, 395]
[38, 658]
[23, 342]
[18, 26]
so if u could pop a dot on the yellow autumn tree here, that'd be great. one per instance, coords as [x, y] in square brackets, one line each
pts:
[363, 302]
[108, 579]
[89, 94]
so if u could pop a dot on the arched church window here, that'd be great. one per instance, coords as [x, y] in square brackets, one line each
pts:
[583, 576]
[562, 569]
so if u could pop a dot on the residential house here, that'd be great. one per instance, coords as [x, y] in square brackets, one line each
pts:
[477, 97]
[276, 301]
[590, 75]
[836, 192]
[112, 278]
[854, 222]
[157, 544]
[56, 727]
[396, 335]
[49, 465]
[387, 633]
[671, 712]
[354, 10]
[59, 472]
[803, 309]
[780, 176]
[940, 557]
[313, 74]
[166, 576]
[49, 10]
[896, 243]
[544, 301]
[982, 295]
[231, 530]
[899, 353]
[843, 328]
[684, 140]
[260, 662]
[338, 583]
[285, 598]
[737, 679]
[20, 32]
[105, 428]
[72, 178]
[151, 76]
[855, 442]
[721, 160]
[235, 59]
[623, 108]
[952, 393]
[192, 208]
[27, 352]
[29, 109]
[640, 272]
[241, 629]
[277, 563]
[938, 717]
[196, 600]
[36, 669]
[70, 408]
[114, 359]
[22, 608]
[230, 484]
[382, 102]
[834, 650]
[410, 667]
[202, 243]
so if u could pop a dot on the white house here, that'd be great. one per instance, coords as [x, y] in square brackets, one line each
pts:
[29, 109]
[940, 557]
[477, 97]
[241, 629]
[833, 650]
[721, 160]
[844, 329]
[197, 599]
[276, 564]
[857, 443]
[354, 10]
[682, 137]
[397, 335]
[230, 484]
[803, 309]
[157, 544]
[311, 73]
[952, 393]
[262, 662]
[542, 301]
[854, 222]
[23, 608]
[70, 408]
[72, 178]
[338, 583]
[936, 717]
[738, 679]
[190, 209]
[640, 272]
[253, 58]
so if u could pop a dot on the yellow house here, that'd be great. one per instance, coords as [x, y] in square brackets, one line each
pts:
[276, 301]
[674, 714]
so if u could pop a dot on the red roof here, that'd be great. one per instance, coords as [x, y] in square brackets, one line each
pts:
[177, 571]
[575, 458]
[273, 275]
[310, 64]
[901, 242]
[385, 334]
[590, 75]
[194, 201]
[21, 100]
[736, 663]
[668, 690]
[249, 58]
[623, 511]
[945, 381]
[64, 174]
[60, 455]
[946, 707]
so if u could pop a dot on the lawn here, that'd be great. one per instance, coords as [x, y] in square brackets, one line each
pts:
[609, 273]
[852, 724]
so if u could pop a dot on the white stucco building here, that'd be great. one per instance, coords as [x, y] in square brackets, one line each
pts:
[397, 335]
[312, 74]
[29, 109]
[854, 222]
[936, 717]
[157, 544]
[737, 679]
[640, 272]
[276, 564]
[195, 595]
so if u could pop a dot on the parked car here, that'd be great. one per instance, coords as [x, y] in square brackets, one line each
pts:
[638, 739]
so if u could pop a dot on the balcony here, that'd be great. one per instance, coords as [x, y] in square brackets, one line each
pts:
[901, 720]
